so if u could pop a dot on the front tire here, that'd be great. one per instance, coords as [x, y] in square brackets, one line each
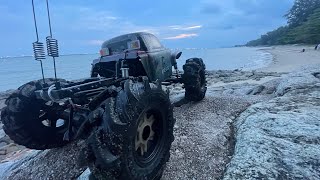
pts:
[28, 121]
[135, 137]
[194, 79]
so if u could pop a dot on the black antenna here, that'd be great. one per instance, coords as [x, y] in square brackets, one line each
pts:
[38, 47]
[52, 47]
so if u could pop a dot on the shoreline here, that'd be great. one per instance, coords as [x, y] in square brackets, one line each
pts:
[285, 58]
[266, 59]
[289, 58]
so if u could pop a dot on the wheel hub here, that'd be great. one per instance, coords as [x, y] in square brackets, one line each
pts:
[145, 133]
[50, 119]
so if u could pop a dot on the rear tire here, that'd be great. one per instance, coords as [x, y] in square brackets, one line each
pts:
[24, 117]
[140, 116]
[194, 79]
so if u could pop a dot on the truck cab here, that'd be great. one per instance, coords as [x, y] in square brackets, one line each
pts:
[142, 53]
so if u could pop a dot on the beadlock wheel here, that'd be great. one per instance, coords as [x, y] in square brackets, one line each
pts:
[134, 139]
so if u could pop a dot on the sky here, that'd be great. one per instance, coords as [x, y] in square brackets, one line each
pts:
[81, 25]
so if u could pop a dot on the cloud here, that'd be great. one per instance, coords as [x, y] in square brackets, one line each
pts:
[95, 42]
[82, 25]
[112, 25]
[107, 22]
[182, 36]
[179, 27]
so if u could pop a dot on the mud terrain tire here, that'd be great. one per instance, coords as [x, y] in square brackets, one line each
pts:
[22, 119]
[115, 149]
[194, 79]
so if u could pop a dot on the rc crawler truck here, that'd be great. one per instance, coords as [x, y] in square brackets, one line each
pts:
[123, 110]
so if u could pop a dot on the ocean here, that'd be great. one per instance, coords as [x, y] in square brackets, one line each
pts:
[15, 71]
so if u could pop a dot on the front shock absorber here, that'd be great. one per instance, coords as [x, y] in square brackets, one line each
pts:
[124, 69]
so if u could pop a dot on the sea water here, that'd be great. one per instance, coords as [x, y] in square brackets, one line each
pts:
[15, 71]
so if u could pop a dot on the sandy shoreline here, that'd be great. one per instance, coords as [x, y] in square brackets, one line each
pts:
[289, 58]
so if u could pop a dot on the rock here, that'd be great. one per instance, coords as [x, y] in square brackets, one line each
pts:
[317, 75]
[239, 89]
[228, 91]
[280, 138]
[5, 167]
[2, 133]
[6, 94]
[297, 80]
[270, 90]
[3, 151]
[85, 175]
[270, 87]
[256, 90]
[3, 96]
[229, 76]
[60, 163]
[201, 148]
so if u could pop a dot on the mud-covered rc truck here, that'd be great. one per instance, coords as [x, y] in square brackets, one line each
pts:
[123, 110]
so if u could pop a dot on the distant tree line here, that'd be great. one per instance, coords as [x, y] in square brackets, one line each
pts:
[303, 26]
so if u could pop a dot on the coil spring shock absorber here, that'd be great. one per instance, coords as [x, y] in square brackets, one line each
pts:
[38, 50]
[52, 47]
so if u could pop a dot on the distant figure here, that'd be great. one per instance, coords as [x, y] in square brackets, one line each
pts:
[315, 48]
[303, 50]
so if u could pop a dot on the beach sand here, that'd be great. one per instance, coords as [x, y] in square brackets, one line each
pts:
[289, 58]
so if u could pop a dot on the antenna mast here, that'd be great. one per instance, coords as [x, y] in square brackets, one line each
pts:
[38, 47]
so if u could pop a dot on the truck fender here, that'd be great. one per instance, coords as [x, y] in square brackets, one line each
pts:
[94, 72]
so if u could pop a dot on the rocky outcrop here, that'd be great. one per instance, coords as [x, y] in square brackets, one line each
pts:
[203, 138]
[228, 76]
[61, 163]
[280, 138]
[3, 96]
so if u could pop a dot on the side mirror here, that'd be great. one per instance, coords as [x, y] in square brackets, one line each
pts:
[178, 55]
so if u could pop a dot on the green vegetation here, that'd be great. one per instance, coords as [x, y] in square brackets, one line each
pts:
[303, 26]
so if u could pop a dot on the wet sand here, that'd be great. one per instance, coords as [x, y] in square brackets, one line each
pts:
[289, 58]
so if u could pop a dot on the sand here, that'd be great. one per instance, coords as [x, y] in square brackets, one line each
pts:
[289, 58]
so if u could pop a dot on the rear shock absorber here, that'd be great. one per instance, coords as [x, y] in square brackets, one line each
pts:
[52, 48]
[38, 47]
